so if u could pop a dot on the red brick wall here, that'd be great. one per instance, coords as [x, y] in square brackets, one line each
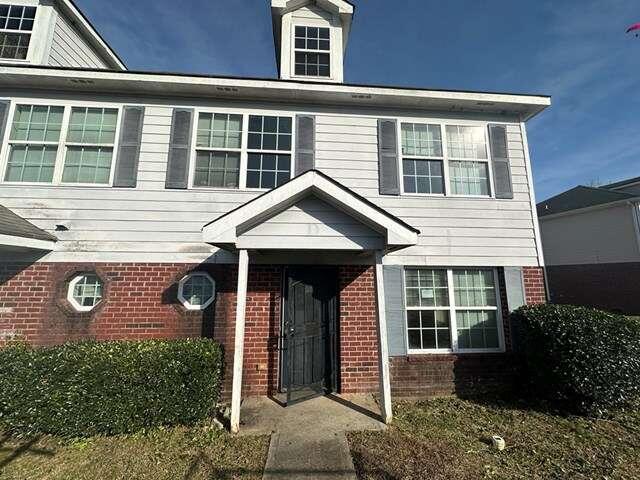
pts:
[141, 302]
[534, 288]
[358, 330]
[609, 286]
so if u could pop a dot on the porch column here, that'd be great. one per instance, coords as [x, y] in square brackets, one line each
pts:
[238, 352]
[383, 348]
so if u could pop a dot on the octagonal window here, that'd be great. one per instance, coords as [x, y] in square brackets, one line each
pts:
[85, 292]
[197, 291]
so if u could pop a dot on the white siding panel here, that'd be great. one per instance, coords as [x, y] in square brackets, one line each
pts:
[69, 49]
[150, 222]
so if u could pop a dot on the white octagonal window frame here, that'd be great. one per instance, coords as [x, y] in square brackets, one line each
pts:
[185, 301]
[72, 286]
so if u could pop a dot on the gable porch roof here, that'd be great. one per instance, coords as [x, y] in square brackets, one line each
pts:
[225, 231]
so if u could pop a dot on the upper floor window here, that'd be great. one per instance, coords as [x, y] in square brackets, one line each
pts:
[269, 151]
[90, 140]
[218, 150]
[38, 151]
[16, 24]
[422, 164]
[34, 139]
[430, 163]
[469, 160]
[312, 47]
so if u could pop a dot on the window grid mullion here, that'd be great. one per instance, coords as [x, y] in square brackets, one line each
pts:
[61, 153]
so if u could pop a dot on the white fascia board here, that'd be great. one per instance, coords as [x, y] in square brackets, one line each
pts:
[337, 6]
[104, 81]
[225, 229]
[80, 20]
[30, 243]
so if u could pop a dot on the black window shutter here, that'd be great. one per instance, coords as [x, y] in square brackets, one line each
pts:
[500, 158]
[305, 143]
[4, 117]
[388, 157]
[179, 148]
[126, 173]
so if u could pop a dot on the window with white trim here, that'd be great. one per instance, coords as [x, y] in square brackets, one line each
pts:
[218, 150]
[197, 291]
[85, 292]
[468, 160]
[16, 25]
[56, 144]
[457, 165]
[422, 158]
[312, 52]
[33, 143]
[452, 310]
[269, 151]
[90, 141]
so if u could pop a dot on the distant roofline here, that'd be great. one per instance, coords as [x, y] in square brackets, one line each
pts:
[622, 183]
[621, 197]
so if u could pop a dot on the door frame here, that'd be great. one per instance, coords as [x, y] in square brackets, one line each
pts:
[335, 358]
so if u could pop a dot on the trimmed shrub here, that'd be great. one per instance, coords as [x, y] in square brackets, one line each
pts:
[89, 388]
[586, 359]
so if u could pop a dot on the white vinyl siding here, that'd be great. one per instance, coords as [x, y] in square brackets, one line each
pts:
[70, 49]
[148, 223]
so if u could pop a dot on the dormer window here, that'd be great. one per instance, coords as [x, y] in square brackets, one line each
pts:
[312, 47]
[16, 24]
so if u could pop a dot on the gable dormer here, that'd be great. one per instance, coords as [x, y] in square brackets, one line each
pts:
[311, 38]
[54, 33]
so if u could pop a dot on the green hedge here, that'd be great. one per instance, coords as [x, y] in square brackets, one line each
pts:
[89, 388]
[587, 359]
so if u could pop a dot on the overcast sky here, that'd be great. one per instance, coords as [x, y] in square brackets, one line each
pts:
[574, 50]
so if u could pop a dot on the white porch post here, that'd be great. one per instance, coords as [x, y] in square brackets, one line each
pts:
[383, 348]
[238, 352]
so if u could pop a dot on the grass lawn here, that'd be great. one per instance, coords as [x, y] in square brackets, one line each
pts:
[175, 453]
[448, 439]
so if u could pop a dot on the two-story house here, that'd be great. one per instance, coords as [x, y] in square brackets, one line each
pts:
[333, 237]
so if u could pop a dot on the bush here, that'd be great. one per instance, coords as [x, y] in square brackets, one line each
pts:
[587, 359]
[88, 388]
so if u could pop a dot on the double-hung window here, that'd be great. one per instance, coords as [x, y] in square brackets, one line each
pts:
[218, 150]
[57, 144]
[16, 24]
[312, 52]
[33, 143]
[452, 310]
[269, 151]
[468, 160]
[422, 158]
[90, 141]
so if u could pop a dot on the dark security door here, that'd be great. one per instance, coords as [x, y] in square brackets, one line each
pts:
[310, 311]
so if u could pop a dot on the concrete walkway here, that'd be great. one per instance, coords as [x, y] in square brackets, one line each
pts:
[308, 439]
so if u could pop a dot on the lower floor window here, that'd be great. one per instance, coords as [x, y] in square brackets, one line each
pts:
[452, 309]
[197, 291]
[85, 292]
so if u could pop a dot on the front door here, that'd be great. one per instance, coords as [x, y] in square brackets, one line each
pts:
[309, 332]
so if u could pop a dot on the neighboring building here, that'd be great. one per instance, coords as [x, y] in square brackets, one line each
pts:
[274, 215]
[591, 240]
